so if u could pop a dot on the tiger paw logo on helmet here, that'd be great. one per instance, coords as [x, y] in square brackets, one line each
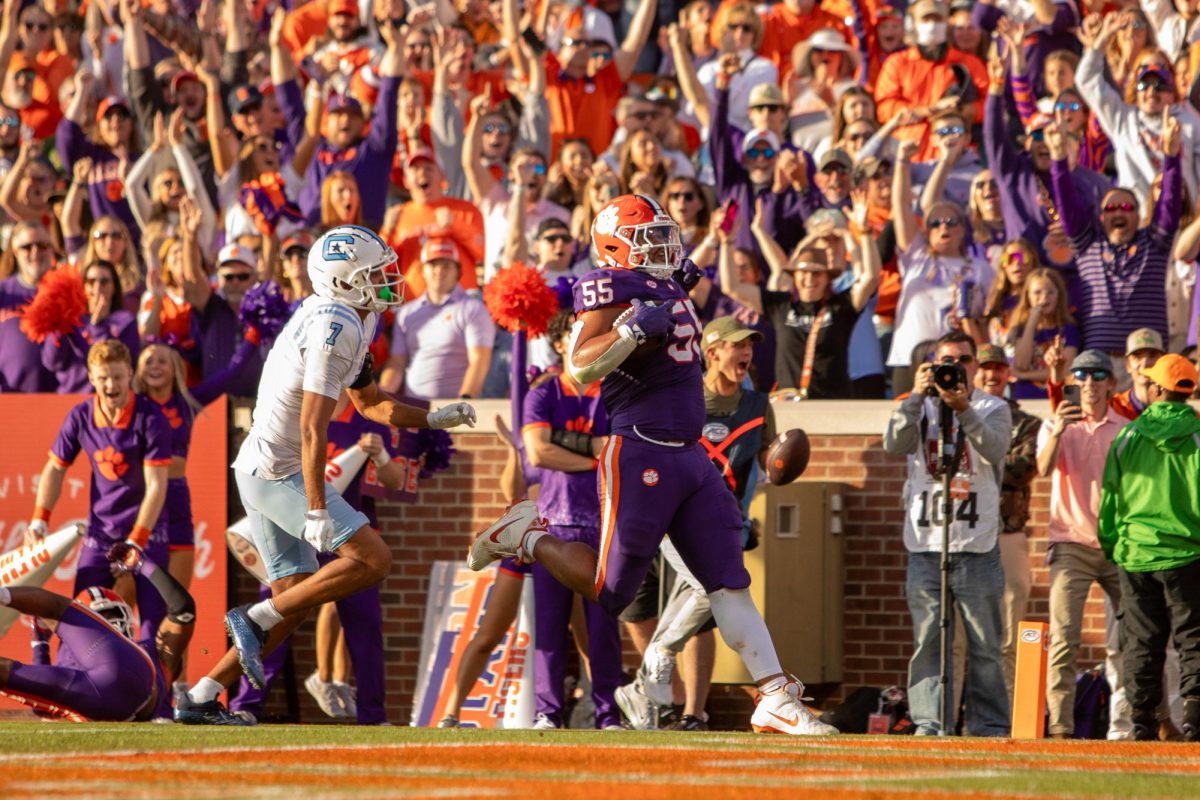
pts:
[606, 220]
[635, 232]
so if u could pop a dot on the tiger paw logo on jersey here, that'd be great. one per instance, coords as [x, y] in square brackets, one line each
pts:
[111, 463]
[650, 477]
[173, 418]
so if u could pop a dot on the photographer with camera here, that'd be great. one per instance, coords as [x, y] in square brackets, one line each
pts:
[979, 428]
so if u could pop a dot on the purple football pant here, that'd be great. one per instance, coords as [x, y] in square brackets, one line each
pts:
[647, 490]
[552, 616]
[117, 681]
[94, 570]
[362, 620]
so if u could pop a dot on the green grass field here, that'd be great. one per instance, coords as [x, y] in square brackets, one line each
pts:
[41, 760]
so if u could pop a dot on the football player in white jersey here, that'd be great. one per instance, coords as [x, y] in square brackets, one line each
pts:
[280, 469]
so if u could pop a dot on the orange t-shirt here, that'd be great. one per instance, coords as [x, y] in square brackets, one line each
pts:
[457, 219]
[42, 118]
[908, 80]
[303, 25]
[582, 107]
[783, 30]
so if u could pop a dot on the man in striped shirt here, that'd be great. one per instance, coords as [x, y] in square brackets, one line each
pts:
[1120, 269]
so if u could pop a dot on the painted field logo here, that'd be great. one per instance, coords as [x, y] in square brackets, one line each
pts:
[650, 477]
[1031, 636]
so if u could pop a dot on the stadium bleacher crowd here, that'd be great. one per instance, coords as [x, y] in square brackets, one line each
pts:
[856, 179]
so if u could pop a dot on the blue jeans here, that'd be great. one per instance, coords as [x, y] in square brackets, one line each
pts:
[977, 588]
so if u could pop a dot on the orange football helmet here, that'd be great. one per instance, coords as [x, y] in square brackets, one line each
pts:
[109, 605]
[634, 232]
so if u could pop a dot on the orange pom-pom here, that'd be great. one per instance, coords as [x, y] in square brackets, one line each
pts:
[519, 299]
[57, 308]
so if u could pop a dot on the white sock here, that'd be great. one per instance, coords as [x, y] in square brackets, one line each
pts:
[206, 689]
[5, 596]
[528, 542]
[745, 633]
[264, 614]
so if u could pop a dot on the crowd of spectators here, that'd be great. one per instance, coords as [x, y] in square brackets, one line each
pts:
[856, 178]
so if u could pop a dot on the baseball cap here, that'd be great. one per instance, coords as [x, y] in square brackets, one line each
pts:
[180, 77]
[835, 156]
[1144, 339]
[300, 239]
[418, 154]
[1157, 72]
[343, 7]
[869, 167]
[231, 253]
[991, 354]
[244, 98]
[923, 7]
[811, 259]
[343, 102]
[1174, 373]
[549, 224]
[1038, 121]
[728, 329]
[887, 11]
[766, 94]
[109, 103]
[760, 135]
[440, 248]
[1093, 359]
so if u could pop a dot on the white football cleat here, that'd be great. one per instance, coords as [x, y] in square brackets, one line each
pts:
[503, 538]
[657, 667]
[638, 709]
[781, 711]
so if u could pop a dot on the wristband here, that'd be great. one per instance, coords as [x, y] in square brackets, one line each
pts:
[382, 459]
[140, 536]
[42, 513]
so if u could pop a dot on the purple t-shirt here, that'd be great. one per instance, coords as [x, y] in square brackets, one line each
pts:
[344, 432]
[106, 183]
[567, 498]
[1042, 339]
[140, 437]
[66, 356]
[21, 367]
[659, 395]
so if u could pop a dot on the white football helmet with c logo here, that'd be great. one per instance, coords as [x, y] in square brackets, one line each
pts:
[352, 265]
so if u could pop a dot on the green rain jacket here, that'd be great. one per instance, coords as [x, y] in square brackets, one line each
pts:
[1150, 502]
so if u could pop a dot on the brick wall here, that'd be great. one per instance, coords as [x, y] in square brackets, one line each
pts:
[464, 499]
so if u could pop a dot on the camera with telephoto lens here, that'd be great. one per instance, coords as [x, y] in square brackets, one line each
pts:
[946, 376]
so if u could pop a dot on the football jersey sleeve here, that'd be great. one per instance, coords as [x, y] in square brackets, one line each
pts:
[331, 345]
[156, 432]
[67, 445]
[539, 405]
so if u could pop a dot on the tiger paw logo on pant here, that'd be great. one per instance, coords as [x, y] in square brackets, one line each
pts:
[111, 463]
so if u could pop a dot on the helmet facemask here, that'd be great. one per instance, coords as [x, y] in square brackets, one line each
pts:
[654, 248]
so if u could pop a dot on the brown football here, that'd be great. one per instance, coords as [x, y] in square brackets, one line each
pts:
[787, 457]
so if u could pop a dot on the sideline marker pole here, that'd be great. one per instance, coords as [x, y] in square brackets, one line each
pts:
[1029, 689]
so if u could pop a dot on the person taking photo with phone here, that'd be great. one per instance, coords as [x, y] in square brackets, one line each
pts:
[1072, 446]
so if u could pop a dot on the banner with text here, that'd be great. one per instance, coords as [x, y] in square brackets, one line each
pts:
[503, 694]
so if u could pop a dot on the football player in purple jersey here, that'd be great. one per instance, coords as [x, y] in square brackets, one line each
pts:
[637, 332]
